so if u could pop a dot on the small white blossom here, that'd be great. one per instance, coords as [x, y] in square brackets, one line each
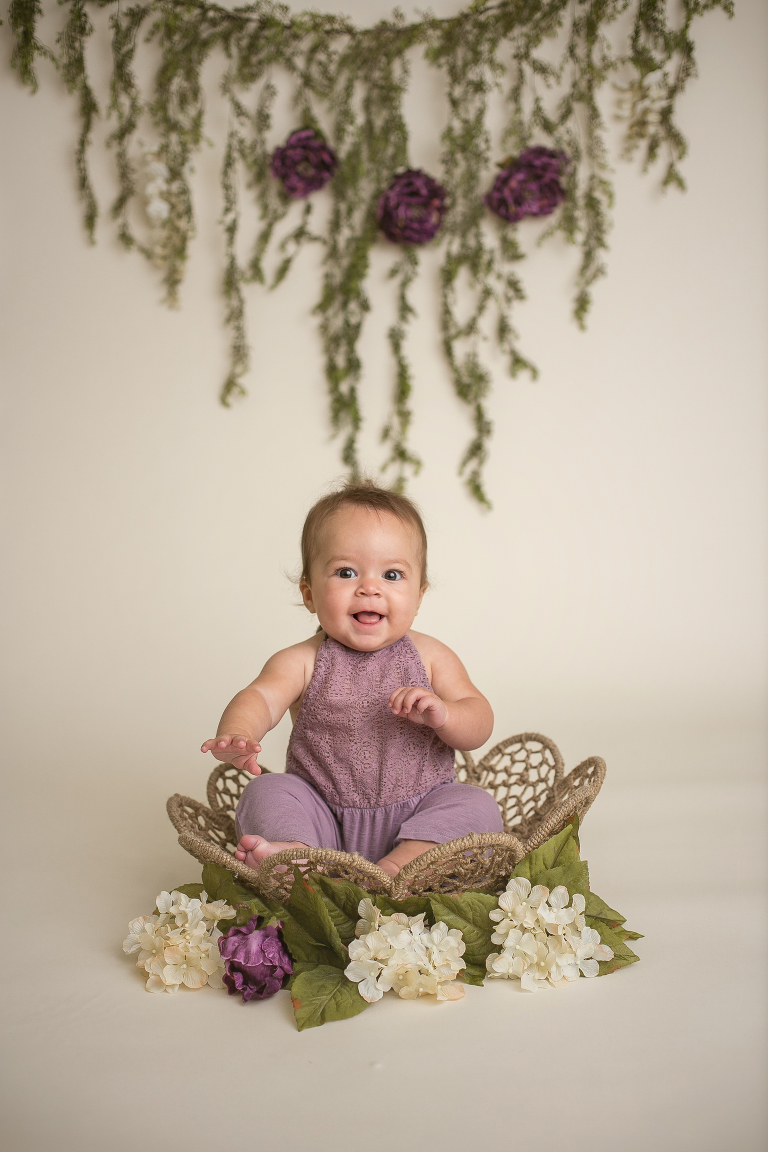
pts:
[156, 170]
[158, 210]
[156, 189]
[518, 907]
[545, 940]
[177, 946]
[136, 930]
[556, 910]
[365, 974]
[404, 955]
[369, 917]
[589, 951]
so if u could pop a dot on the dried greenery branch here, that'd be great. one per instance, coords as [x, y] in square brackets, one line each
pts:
[546, 60]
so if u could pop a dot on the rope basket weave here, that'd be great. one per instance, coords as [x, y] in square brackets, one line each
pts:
[524, 774]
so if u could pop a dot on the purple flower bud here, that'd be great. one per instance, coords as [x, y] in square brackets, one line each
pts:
[412, 208]
[529, 186]
[304, 164]
[256, 961]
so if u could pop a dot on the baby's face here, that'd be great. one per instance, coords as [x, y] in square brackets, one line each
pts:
[365, 580]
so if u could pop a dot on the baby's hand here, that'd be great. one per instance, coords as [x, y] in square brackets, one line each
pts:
[237, 750]
[420, 706]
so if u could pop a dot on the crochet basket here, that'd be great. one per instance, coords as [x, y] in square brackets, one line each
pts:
[524, 774]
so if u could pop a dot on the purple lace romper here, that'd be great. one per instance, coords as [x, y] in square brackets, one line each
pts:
[358, 778]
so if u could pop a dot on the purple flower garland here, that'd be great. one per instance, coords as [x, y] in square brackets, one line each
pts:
[412, 208]
[305, 163]
[529, 186]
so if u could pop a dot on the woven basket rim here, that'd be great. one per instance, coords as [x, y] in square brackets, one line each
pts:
[268, 881]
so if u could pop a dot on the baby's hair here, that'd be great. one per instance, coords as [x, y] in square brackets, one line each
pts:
[363, 493]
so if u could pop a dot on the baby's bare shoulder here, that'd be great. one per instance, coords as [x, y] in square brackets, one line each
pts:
[296, 655]
[432, 651]
[446, 673]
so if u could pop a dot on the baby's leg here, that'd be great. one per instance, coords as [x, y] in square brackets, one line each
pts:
[280, 810]
[448, 812]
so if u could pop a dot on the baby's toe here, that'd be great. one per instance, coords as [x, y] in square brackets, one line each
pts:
[248, 842]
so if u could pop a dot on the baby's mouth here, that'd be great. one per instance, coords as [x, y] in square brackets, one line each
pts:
[368, 617]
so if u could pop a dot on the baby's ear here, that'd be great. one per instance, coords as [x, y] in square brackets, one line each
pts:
[421, 595]
[306, 595]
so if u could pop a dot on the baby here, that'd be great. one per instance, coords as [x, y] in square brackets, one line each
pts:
[377, 708]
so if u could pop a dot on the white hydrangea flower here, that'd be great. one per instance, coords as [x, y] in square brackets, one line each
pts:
[215, 909]
[365, 973]
[518, 907]
[402, 954]
[177, 946]
[556, 910]
[369, 917]
[578, 903]
[545, 940]
[589, 951]
[136, 930]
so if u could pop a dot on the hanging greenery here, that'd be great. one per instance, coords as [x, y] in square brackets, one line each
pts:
[546, 59]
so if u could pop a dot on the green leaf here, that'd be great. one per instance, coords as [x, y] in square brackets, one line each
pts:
[557, 862]
[600, 910]
[341, 898]
[214, 875]
[324, 994]
[473, 974]
[469, 913]
[558, 851]
[314, 916]
[344, 894]
[622, 954]
[304, 949]
[299, 967]
[191, 890]
[411, 906]
[220, 884]
[575, 877]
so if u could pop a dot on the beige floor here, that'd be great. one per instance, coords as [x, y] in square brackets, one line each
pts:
[668, 1055]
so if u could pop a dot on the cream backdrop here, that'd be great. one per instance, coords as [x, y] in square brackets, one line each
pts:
[613, 599]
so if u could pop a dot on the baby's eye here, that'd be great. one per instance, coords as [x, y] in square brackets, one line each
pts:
[346, 573]
[393, 574]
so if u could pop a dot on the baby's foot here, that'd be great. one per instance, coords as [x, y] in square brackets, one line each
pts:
[404, 853]
[253, 849]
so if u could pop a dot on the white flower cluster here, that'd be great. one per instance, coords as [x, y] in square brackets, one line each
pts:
[544, 940]
[157, 207]
[178, 946]
[402, 953]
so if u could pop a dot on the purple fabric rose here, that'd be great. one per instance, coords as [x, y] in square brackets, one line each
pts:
[304, 164]
[412, 208]
[529, 186]
[255, 960]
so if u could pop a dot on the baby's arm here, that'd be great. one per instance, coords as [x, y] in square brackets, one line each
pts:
[259, 707]
[460, 715]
